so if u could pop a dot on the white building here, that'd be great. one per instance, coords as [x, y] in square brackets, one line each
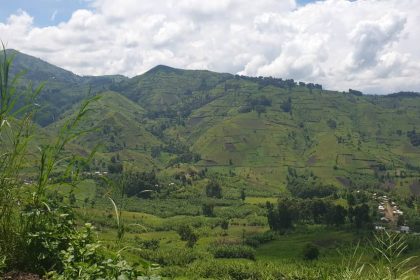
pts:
[405, 229]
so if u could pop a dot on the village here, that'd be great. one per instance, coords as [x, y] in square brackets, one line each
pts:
[391, 216]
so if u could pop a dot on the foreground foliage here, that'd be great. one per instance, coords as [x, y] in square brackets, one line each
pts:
[37, 234]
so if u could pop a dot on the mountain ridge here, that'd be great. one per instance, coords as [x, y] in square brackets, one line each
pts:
[253, 128]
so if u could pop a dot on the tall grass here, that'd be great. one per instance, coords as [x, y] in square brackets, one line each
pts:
[15, 134]
[390, 247]
[24, 209]
[118, 198]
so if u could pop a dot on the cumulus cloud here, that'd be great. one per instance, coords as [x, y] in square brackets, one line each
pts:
[366, 44]
[371, 37]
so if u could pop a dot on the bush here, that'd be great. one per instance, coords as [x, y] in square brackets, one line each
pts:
[186, 233]
[2, 264]
[234, 252]
[235, 270]
[208, 209]
[310, 252]
[224, 224]
[82, 260]
[332, 123]
[258, 239]
[170, 257]
[152, 244]
[213, 189]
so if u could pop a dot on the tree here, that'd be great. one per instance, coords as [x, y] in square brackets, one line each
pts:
[208, 209]
[192, 240]
[351, 200]
[72, 198]
[361, 216]
[284, 216]
[140, 184]
[355, 92]
[319, 209]
[280, 219]
[271, 216]
[213, 189]
[224, 224]
[286, 106]
[155, 152]
[260, 109]
[332, 123]
[243, 194]
[186, 233]
[115, 168]
[336, 215]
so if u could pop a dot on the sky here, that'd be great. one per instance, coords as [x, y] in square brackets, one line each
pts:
[368, 45]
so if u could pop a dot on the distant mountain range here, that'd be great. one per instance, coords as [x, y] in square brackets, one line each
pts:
[253, 129]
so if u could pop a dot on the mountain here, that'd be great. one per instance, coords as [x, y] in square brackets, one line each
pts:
[252, 129]
[116, 129]
[165, 89]
[62, 88]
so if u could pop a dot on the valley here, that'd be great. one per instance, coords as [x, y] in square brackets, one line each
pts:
[192, 174]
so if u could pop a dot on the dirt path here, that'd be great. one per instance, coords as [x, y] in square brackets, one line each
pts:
[390, 215]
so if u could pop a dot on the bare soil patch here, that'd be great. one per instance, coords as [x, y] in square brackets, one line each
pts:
[230, 147]
[16, 275]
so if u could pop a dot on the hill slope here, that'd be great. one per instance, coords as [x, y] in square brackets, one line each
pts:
[62, 88]
[253, 129]
[116, 126]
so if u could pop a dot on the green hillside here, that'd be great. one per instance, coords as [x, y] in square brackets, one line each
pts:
[62, 89]
[116, 128]
[255, 128]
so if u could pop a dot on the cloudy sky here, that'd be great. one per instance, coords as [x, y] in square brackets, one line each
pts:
[370, 45]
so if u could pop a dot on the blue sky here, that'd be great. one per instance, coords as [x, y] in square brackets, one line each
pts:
[44, 12]
[52, 12]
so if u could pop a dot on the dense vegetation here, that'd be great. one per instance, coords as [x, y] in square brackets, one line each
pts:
[193, 174]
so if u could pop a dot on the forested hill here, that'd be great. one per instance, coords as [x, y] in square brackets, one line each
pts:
[252, 129]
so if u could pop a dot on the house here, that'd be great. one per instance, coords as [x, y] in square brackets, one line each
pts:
[405, 229]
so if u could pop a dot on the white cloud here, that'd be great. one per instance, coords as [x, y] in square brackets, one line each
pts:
[366, 44]
[372, 37]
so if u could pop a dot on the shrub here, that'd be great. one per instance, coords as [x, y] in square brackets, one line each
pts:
[152, 244]
[235, 270]
[234, 252]
[332, 123]
[224, 224]
[82, 260]
[208, 209]
[310, 252]
[258, 239]
[213, 189]
[2, 264]
[170, 257]
[186, 233]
